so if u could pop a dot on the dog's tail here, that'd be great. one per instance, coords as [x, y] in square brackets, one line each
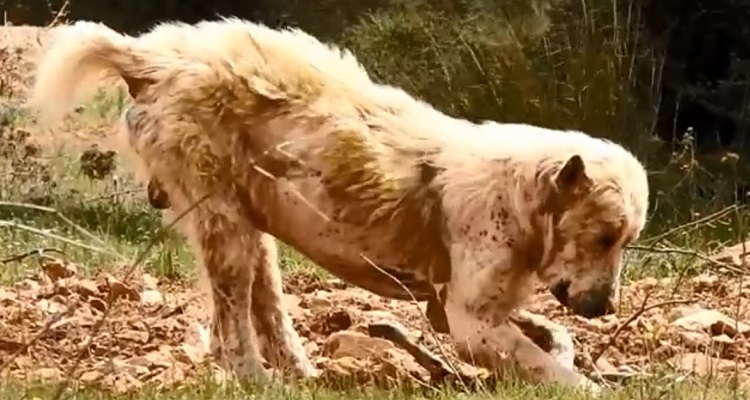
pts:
[82, 57]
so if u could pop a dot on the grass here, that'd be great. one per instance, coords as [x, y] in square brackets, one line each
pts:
[655, 388]
[660, 387]
[45, 197]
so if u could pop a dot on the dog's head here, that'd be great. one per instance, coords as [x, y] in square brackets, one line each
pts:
[593, 209]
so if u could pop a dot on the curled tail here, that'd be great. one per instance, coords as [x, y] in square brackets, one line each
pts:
[81, 57]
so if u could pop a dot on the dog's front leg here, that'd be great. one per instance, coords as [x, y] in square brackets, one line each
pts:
[484, 338]
[482, 293]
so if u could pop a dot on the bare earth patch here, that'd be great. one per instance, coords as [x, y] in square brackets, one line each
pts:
[155, 332]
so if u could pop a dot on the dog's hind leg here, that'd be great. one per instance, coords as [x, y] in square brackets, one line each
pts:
[283, 346]
[229, 250]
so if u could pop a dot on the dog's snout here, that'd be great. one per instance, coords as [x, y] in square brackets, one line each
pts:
[594, 303]
[560, 291]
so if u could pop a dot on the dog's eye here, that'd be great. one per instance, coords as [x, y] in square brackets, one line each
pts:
[607, 240]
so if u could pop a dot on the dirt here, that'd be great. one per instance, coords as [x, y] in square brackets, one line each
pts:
[155, 332]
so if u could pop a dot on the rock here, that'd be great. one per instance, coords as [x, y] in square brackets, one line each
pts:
[354, 344]
[683, 311]
[701, 364]
[332, 321]
[590, 324]
[118, 366]
[86, 288]
[125, 383]
[319, 304]
[735, 255]
[311, 347]
[292, 303]
[46, 374]
[58, 269]
[28, 289]
[153, 359]
[118, 289]
[175, 373]
[723, 339]
[694, 339]
[50, 306]
[133, 336]
[150, 282]
[605, 367]
[91, 377]
[712, 321]
[355, 356]
[97, 304]
[152, 297]
[705, 281]
[189, 354]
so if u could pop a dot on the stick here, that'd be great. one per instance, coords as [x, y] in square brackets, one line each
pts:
[19, 257]
[439, 371]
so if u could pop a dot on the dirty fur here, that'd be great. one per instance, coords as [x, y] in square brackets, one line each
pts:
[289, 137]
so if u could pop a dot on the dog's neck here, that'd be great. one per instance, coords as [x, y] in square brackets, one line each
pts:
[534, 223]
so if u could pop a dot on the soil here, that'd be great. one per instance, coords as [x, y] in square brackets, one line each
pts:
[155, 331]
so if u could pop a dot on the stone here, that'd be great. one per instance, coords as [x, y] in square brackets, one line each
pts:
[58, 269]
[701, 364]
[713, 322]
[86, 288]
[152, 297]
[354, 344]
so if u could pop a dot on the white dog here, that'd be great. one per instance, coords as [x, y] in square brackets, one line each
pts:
[290, 138]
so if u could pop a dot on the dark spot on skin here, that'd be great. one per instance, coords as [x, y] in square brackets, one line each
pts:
[484, 341]
[494, 238]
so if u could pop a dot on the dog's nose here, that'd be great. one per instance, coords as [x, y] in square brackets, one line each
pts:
[560, 291]
[594, 303]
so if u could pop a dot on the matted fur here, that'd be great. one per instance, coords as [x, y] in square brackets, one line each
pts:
[290, 137]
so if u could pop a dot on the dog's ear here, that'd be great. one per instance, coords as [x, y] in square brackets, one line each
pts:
[136, 85]
[572, 179]
[157, 197]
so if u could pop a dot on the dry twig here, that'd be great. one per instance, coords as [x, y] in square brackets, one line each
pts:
[692, 253]
[39, 252]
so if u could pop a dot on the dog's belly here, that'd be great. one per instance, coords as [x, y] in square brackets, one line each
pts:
[295, 215]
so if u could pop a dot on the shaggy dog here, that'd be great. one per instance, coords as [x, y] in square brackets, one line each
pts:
[270, 133]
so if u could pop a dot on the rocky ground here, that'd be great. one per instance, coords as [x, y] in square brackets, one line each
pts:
[154, 331]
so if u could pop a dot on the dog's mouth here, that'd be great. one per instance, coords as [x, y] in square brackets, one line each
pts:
[591, 304]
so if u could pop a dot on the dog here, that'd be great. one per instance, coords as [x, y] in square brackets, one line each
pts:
[266, 133]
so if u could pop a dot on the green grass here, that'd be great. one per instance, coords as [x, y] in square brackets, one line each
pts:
[656, 388]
